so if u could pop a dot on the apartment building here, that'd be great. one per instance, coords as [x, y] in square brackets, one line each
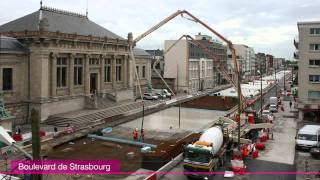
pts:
[191, 67]
[308, 49]
[278, 62]
[261, 62]
[246, 59]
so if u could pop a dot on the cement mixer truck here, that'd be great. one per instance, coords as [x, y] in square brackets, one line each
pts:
[206, 154]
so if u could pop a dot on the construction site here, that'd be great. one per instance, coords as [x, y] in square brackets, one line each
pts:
[169, 131]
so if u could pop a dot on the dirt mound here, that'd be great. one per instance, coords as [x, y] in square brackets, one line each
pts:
[221, 103]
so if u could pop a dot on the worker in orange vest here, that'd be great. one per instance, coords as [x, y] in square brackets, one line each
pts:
[135, 134]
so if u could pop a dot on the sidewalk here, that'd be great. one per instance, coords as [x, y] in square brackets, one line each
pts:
[282, 148]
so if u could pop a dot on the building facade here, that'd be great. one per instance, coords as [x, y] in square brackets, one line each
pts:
[69, 59]
[246, 59]
[158, 58]
[191, 67]
[143, 68]
[261, 63]
[308, 48]
[278, 62]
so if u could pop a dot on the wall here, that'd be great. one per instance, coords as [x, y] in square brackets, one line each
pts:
[62, 106]
[304, 55]
[176, 59]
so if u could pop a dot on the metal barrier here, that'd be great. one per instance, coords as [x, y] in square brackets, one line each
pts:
[125, 141]
[166, 168]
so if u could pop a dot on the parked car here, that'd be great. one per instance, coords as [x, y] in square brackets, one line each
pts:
[161, 95]
[166, 92]
[266, 113]
[273, 108]
[308, 137]
[150, 96]
[315, 151]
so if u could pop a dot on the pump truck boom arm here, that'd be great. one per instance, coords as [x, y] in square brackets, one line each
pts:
[195, 19]
[208, 52]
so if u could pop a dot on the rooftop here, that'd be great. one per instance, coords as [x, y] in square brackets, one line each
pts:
[140, 52]
[58, 20]
[309, 23]
[11, 45]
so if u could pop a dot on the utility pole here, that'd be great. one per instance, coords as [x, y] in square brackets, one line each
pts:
[36, 146]
[292, 72]
[141, 130]
[261, 90]
[179, 116]
[284, 77]
[276, 82]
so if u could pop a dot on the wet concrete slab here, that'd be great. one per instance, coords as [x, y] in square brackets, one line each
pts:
[168, 120]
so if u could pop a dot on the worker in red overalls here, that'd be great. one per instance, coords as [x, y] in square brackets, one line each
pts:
[135, 134]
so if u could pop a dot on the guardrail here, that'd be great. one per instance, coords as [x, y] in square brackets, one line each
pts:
[166, 168]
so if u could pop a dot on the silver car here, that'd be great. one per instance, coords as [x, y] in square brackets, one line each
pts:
[149, 96]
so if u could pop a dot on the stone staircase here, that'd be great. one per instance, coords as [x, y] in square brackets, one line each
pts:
[90, 117]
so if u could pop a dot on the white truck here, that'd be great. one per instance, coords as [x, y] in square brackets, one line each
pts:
[273, 104]
[308, 136]
[206, 154]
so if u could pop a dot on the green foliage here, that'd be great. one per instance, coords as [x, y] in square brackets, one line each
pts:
[3, 112]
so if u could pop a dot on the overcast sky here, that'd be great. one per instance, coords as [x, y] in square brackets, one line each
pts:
[266, 25]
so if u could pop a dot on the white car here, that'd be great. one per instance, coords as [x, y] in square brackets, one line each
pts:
[149, 96]
[273, 108]
[166, 93]
[161, 96]
[266, 113]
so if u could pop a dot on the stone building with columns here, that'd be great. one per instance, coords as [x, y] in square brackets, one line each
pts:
[69, 59]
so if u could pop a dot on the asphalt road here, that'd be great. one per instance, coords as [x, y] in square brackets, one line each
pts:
[278, 156]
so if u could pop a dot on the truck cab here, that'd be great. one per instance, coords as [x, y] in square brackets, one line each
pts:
[205, 155]
[198, 157]
[307, 137]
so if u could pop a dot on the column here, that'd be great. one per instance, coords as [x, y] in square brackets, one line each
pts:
[86, 75]
[125, 71]
[54, 75]
[102, 64]
[71, 74]
[131, 73]
[113, 70]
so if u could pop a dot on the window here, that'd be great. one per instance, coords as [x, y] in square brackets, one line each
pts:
[314, 62]
[77, 71]
[144, 71]
[7, 79]
[118, 69]
[314, 47]
[314, 94]
[137, 68]
[314, 78]
[61, 72]
[315, 31]
[94, 61]
[107, 70]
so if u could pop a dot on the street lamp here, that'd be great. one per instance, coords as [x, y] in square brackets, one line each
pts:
[284, 77]
[276, 81]
[259, 71]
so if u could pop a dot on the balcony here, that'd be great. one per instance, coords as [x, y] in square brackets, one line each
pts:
[296, 55]
[296, 43]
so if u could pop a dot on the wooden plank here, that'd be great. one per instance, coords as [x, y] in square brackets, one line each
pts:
[261, 125]
[242, 140]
